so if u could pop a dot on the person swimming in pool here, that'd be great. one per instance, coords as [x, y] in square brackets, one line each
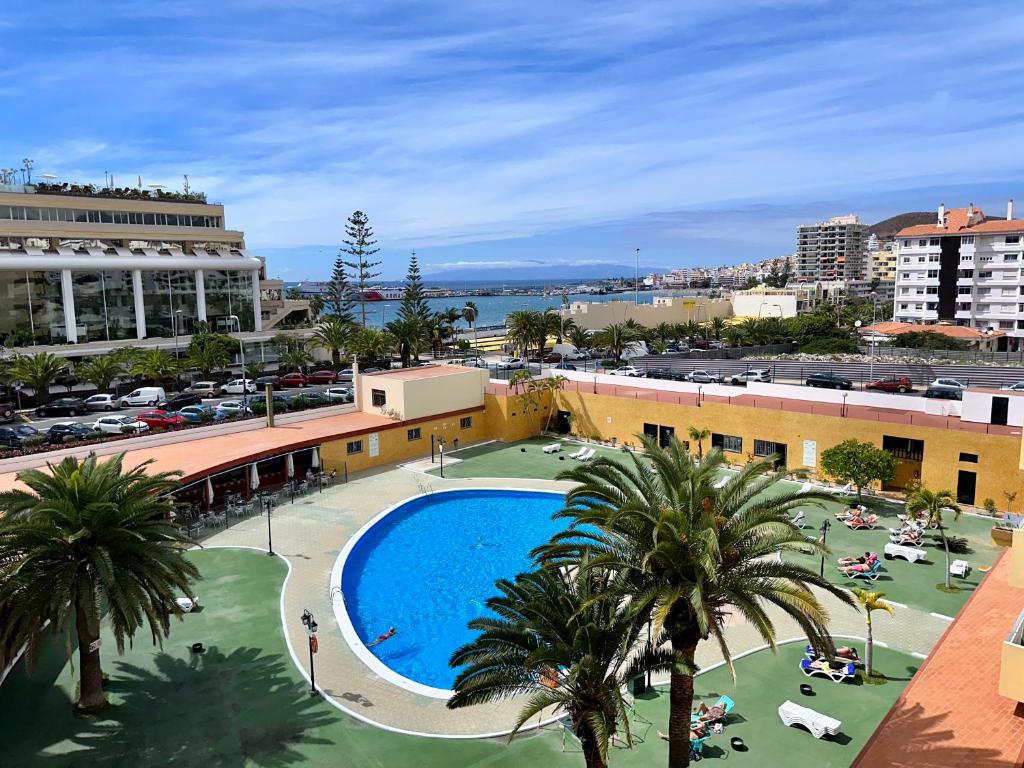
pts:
[386, 636]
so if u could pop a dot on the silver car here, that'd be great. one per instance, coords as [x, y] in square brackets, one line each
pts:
[102, 402]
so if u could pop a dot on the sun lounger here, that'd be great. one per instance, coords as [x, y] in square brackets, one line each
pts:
[818, 724]
[959, 568]
[824, 669]
[855, 523]
[871, 573]
[805, 488]
[553, 448]
[799, 519]
[721, 483]
[910, 554]
[578, 453]
[186, 604]
[587, 455]
[905, 538]
[841, 491]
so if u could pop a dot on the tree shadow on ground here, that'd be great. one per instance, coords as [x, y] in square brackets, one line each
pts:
[205, 710]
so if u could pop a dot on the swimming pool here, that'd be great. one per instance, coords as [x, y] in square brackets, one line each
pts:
[425, 567]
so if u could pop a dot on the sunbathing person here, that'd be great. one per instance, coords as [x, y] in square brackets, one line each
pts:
[847, 652]
[855, 560]
[857, 567]
[849, 513]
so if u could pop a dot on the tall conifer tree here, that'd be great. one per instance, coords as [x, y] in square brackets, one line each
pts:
[359, 246]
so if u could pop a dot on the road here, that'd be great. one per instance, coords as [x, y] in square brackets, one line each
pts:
[44, 423]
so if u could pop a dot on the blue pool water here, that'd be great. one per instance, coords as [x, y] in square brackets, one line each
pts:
[428, 566]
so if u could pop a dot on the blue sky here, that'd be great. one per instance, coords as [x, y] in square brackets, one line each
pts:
[489, 136]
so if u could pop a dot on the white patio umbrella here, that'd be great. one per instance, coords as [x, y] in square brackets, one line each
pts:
[289, 466]
[254, 477]
[314, 461]
[209, 490]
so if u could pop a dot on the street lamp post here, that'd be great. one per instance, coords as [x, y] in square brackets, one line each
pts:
[268, 507]
[174, 328]
[874, 310]
[311, 626]
[241, 349]
[636, 279]
[825, 525]
[440, 446]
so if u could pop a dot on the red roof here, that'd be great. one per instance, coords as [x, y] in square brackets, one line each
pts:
[957, 221]
[953, 331]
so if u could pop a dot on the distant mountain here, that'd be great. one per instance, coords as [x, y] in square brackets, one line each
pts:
[888, 228]
[538, 273]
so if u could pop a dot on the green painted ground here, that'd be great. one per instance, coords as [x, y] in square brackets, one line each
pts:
[244, 704]
[910, 584]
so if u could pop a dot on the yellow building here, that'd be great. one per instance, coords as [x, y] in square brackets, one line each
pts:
[595, 315]
[882, 266]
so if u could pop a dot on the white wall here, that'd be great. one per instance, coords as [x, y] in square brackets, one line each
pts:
[977, 407]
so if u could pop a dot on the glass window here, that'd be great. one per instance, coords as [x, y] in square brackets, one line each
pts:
[106, 217]
[31, 308]
[104, 305]
[149, 218]
[355, 446]
[465, 422]
[414, 434]
[730, 443]
[229, 292]
[94, 217]
[32, 214]
[1013, 239]
[378, 398]
[166, 292]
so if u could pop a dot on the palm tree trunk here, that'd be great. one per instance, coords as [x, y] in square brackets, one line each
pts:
[945, 546]
[869, 650]
[92, 697]
[588, 741]
[681, 705]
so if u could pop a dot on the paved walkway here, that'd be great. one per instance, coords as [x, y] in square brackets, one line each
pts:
[310, 534]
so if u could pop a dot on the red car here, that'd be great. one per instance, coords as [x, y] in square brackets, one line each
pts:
[322, 377]
[553, 357]
[294, 380]
[899, 384]
[162, 419]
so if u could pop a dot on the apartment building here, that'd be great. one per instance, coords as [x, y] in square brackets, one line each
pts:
[965, 270]
[831, 250]
[80, 264]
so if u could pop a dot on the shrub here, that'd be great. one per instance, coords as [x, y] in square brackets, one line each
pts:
[300, 403]
[990, 506]
[96, 434]
[259, 407]
[33, 442]
[830, 345]
[957, 544]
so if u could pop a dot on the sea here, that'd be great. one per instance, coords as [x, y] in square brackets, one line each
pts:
[492, 310]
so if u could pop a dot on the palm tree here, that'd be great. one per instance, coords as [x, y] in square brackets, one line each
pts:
[372, 344]
[409, 337]
[556, 639]
[870, 601]
[333, 334]
[84, 541]
[156, 365]
[209, 358]
[616, 337]
[551, 325]
[717, 326]
[470, 314]
[664, 331]
[691, 329]
[100, 371]
[935, 503]
[522, 328]
[295, 359]
[38, 371]
[255, 369]
[579, 337]
[688, 553]
[698, 436]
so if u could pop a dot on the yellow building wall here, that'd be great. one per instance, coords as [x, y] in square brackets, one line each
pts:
[413, 398]
[622, 418]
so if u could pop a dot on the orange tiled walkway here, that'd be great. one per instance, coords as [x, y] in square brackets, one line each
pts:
[951, 715]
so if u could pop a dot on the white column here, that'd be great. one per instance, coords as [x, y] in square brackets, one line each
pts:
[200, 295]
[257, 307]
[140, 304]
[68, 294]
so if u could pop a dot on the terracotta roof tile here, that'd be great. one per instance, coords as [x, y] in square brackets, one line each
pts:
[953, 331]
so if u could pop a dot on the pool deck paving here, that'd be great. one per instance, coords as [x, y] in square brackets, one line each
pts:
[310, 533]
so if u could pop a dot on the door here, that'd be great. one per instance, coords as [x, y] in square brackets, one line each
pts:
[665, 435]
[965, 486]
[1000, 410]
[562, 422]
[651, 430]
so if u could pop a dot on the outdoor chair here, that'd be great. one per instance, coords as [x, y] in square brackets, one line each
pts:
[871, 573]
[836, 674]
[799, 519]
[805, 488]
[842, 491]
[858, 523]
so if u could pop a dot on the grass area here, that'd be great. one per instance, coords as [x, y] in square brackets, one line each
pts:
[243, 703]
[511, 460]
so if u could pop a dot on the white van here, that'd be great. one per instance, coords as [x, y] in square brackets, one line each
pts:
[144, 396]
[567, 351]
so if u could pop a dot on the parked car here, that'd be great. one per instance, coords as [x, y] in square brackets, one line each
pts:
[660, 373]
[944, 393]
[178, 402]
[564, 366]
[507, 363]
[57, 433]
[828, 381]
[204, 388]
[701, 376]
[339, 394]
[473, 362]
[947, 383]
[626, 370]
[102, 403]
[899, 384]
[160, 419]
[294, 380]
[15, 437]
[273, 381]
[197, 414]
[282, 402]
[345, 376]
[371, 369]
[763, 375]
[552, 357]
[322, 377]
[116, 425]
[1018, 387]
[232, 408]
[62, 406]
[238, 387]
[144, 396]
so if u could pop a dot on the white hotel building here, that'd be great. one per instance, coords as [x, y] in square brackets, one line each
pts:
[963, 270]
[81, 265]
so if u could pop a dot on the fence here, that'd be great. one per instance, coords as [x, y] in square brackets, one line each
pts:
[960, 355]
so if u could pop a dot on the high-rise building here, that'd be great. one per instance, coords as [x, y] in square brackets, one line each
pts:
[831, 250]
[964, 269]
[79, 264]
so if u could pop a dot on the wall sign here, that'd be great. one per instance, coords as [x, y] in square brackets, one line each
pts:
[374, 445]
[810, 453]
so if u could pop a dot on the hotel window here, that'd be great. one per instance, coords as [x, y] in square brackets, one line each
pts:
[933, 289]
[903, 306]
[971, 458]
[378, 398]
[922, 243]
[730, 443]
[356, 446]
[935, 241]
[967, 240]
[905, 275]
[934, 257]
[920, 259]
[933, 273]
[1013, 239]
[413, 434]
[963, 290]
[906, 243]
[465, 422]
[984, 274]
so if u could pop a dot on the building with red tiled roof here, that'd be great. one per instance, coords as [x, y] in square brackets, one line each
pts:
[965, 270]
[983, 340]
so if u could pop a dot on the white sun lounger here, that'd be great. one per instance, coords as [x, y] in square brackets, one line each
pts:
[799, 519]
[842, 491]
[815, 722]
[805, 488]
[721, 483]
[959, 568]
[553, 448]
[587, 455]
[578, 453]
[910, 554]
[186, 604]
